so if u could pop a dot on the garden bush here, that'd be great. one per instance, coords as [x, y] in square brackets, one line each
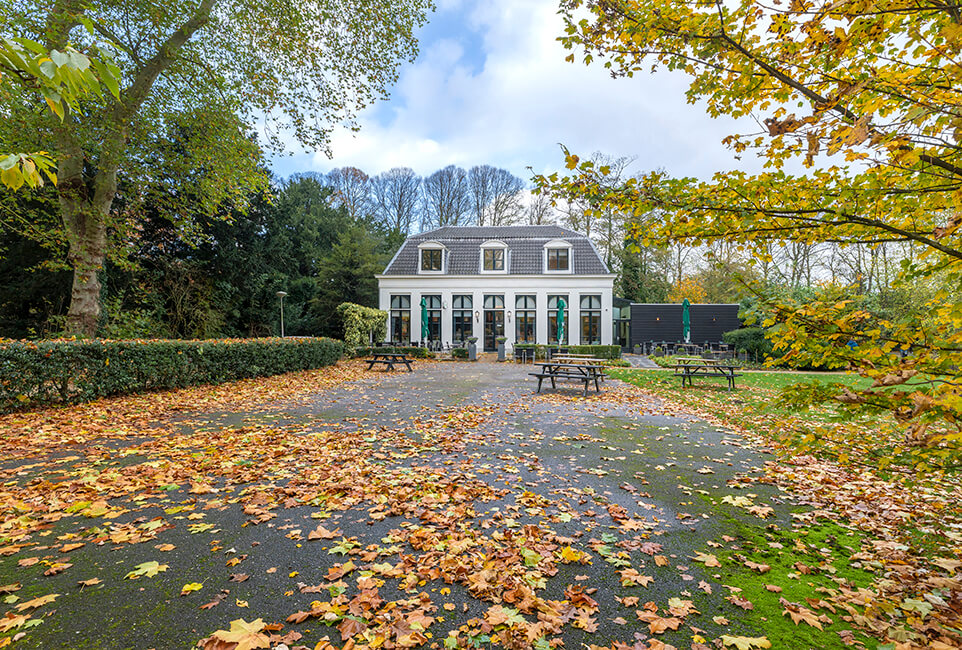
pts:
[416, 352]
[751, 340]
[459, 353]
[52, 372]
[597, 351]
[362, 324]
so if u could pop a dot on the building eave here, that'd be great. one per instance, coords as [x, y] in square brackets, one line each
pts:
[568, 276]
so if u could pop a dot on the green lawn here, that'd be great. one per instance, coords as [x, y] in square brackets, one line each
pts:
[757, 406]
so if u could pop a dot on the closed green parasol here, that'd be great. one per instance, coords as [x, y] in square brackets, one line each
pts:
[561, 320]
[425, 331]
[686, 320]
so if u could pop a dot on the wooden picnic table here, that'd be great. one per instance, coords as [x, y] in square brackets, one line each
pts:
[582, 359]
[569, 371]
[389, 359]
[690, 367]
[575, 358]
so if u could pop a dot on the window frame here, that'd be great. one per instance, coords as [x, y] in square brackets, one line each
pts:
[432, 247]
[590, 318]
[555, 247]
[493, 246]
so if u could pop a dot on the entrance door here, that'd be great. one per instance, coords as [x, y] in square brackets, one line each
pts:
[493, 321]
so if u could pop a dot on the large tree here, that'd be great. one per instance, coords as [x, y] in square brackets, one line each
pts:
[496, 195]
[220, 69]
[396, 195]
[351, 191]
[447, 198]
[864, 94]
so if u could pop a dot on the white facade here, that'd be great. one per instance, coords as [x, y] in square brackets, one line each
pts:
[573, 287]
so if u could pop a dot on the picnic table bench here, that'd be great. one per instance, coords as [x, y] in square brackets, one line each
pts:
[569, 370]
[690, 367]
[583, 359]
[389, 359]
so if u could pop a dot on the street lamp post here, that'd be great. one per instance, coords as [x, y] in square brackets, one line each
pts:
[281, 294]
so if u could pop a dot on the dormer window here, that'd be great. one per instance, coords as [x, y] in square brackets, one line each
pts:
[431, 255]
[494, 257]
[431, 259]
[557, 256]
[557, 259]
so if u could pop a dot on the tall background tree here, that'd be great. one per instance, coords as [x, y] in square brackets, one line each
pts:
[447, 198]
[215, 67]
[396, 195]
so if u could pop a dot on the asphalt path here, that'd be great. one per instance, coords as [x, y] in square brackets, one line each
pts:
[575, 469]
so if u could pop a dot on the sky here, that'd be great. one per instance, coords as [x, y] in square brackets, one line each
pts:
[491, 86]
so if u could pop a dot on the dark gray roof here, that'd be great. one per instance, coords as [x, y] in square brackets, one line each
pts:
[525, 245]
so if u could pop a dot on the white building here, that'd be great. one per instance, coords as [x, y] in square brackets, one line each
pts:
[498, 281]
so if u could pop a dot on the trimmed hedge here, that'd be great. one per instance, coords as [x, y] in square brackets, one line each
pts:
[416, 352]
[56, 372]
[459, 353]
[597, 351]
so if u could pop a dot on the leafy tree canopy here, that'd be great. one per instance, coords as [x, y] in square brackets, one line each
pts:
[865, 94]
[219, 69]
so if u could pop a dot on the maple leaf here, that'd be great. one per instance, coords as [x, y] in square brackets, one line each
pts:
[569, 555]
[37, 602]
[947, 564]
[630, 577]
[761, 568]
[90, 582]
[350, 627]
[744, 603]
[761, 511]
[12, 621]
[498, 615]
[246, 635]
[658, 624]
[57, 567]
[681, 608]
[802, 615]
[746, 643]
[149, 569]
[323, 533]
[708, 559]
[189, 587]
[739, 501]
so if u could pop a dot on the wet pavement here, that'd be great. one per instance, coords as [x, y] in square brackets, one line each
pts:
[613, 477]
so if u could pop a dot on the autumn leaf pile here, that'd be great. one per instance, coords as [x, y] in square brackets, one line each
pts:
[443, 527]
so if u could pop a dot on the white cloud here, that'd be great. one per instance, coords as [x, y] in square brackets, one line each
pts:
[514, 107]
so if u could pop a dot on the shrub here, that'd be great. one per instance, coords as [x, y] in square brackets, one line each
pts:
[751, 340]
[459, 353]
[362, 324]
[597, 351]
[50, 372]
[417, 353]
